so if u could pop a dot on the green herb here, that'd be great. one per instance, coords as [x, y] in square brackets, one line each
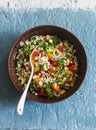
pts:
[19, 72]
[55, 74]
[56, 40]
[48, 90]
[28, 49]
[69, 55]
[62, 72]
[33, 38]
[60, 81]
[44, 67]
[50, 48]
[41, 43]
[60, 62]
[33, 86]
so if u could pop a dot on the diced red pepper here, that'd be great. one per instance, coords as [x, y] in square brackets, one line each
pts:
[41, 52]
[71, 63]
[39, 90]
[60, 48]
[41, 75]
[49, 60]
[53, 70]
[54, 63]
[74, 68]
[35, 53]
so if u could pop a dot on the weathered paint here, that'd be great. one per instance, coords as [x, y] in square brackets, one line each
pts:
[49, 4]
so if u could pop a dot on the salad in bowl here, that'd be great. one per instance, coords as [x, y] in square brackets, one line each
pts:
[55, 65]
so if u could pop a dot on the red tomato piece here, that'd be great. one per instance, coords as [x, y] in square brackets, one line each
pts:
[41, 52]
[39, 90]
[54, 63]
[49, 60]
[71, 63]
[35, 53]
[41, 75]
[60, 48]
[53, 70]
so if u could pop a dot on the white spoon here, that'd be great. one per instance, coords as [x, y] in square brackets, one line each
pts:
[20, 106]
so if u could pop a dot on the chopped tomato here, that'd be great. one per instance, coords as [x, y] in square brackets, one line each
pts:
[54, 63]
[35, 53]
[41, 91]
[53, 70]
[41, 75]
[56, 88]
[49, 60]
[74, 68]
[60, 48]
[41, 52]
[71, 63]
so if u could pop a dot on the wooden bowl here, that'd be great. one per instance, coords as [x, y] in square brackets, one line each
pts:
[63, 34]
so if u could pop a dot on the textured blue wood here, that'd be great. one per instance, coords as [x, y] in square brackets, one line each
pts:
[77, 112]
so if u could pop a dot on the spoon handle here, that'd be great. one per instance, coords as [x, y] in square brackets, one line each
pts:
[21, 103]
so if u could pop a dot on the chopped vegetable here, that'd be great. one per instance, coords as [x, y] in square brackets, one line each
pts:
[48, 90]
[61, 48]
[27, 49]
[37, 79]
[45, 67]
[36, 68]
[56, 87]
[50, 56]
[62, 92]
[69, 72]
[33, 61]
[35, 54]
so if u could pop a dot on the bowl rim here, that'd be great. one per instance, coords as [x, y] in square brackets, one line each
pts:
[30, 96]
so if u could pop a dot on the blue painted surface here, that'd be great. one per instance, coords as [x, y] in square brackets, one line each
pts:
[77, 112]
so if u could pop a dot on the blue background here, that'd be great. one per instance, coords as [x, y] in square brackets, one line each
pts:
[75, 113]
